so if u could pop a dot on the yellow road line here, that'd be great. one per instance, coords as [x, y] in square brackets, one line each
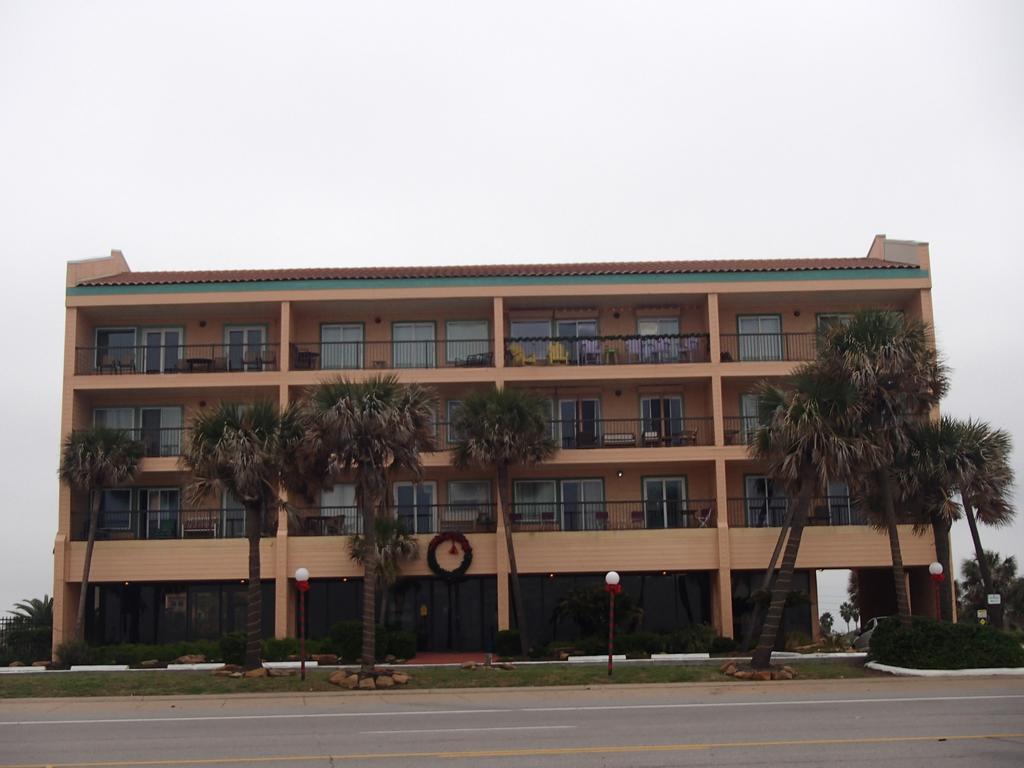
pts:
[538, 752]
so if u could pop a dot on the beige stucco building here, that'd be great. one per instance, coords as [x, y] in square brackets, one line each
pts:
[648, 368]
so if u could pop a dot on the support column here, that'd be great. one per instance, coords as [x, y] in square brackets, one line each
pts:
[65, 594]
[717, 412]
[501, 569]
[723, 594]
[812, 593]
[286, 336]
[498, 326]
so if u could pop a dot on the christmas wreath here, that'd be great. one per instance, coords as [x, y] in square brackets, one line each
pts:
[457, 540]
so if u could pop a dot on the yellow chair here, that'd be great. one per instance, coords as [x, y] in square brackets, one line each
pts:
[519, 357]
[557, 353]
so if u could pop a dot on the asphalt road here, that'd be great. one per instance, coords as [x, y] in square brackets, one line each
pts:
[975, 722]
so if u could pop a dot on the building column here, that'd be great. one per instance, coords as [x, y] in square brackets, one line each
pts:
[286, 337]
[812, 593]
[501, 569]
[722, 593]
[498, 326]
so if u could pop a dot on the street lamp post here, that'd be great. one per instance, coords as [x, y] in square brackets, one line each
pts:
[612, 587]
[935, 569]
[302, 584]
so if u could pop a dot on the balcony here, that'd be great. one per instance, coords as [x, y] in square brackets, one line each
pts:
[767, 347]
[389, 355]
[141, 524]
[615, 433]
[740, 430]
[606, 350]
[613, 515]
[157, 442]
[770, 513]
[426, 518]
[178, 358]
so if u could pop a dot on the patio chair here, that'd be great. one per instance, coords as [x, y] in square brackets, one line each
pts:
[557, 353]
[519, 357]
[251, 360]
[269, 359]
[126, 362]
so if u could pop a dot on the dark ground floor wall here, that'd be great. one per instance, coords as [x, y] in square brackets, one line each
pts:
[796, 617]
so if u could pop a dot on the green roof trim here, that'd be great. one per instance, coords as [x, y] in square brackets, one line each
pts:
[451, 282]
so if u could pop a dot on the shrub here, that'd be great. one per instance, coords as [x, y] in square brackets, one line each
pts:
[723, 645]
[27, 642]
[232, 648]
[401, 644]
[280, 648]
[697, 638]
[74, 653]
[640, 643]
[796, 640]
[930, 644]
[508, 643]
[346, 640]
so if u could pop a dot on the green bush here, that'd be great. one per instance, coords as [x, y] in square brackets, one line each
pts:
[796, 640]
[401, 644]
[136, 653]
[232, 648]
[929, 644]
[508, 643]
[640, 643]
[346, 640]
[697, 638]
[26, 642]
[74, 653]
[723, 645]
[280, 648]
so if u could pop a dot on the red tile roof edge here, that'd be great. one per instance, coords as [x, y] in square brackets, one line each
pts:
[490, 270]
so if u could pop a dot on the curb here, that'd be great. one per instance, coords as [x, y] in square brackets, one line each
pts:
[978, 672]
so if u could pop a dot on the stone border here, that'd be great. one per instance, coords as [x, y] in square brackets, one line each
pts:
[980, 671]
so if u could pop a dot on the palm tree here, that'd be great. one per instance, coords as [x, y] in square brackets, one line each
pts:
[374, 429]
[37, 612]
[974, 589]
[806, 438]
[240, 450]
[848, 612]
[891, 362]
[501, 429]
[395, 545]
[93, 460]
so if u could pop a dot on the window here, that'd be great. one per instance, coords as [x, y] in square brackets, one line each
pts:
[413, 345]
[579, 423]
[160, 508]
[115, 349]
[162, 349]
[535, 501]
[338, 506]
[467, 342]
[582, 505]
[414, 504]
[829, 320]
[571, 505]
[451, 414]
[531, 337]
[116, 509]
[662, 421]
[576, 340]
[469, 501]
[341, 346]
[657, 326]
[840, 511]
[760, 337]
[114, 418]
[665, 502]
[159, 428]
[245, 347]
[750, 416]
[232, 518]
[766, 504]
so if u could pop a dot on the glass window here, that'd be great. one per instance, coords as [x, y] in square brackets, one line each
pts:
[451, 412]
[160, 509]
[413, 345]
[535, 500]
[663, 420]
[466, 342]
[838, 503]
[766, 503]
[115, 349]
[579, 423]
[341, 346]
[338, 508]
[665, 502]
[232, 518]
[760, 337]
[530, 338]
[114, 418]
[658, 326]
[160, 430]
[829, 320]
[587, 349]
[115, 509]
[245, 347]
[414, 503]
[162, 350]
[204, 611]
[750, 416]
[582, 505]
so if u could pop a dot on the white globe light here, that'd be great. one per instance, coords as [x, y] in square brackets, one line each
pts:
[302, 574]
[611, 578]
[935, 569]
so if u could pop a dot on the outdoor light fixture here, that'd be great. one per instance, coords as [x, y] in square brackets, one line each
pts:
[611, 586]
[302, 584]
[620, 473]
[935, 569]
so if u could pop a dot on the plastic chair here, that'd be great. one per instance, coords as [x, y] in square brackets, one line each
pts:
[557, 353]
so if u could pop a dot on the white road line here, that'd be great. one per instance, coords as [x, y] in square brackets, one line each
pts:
[480, 730]
[511, 710]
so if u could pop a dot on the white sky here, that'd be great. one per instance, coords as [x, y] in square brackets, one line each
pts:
[247, 134]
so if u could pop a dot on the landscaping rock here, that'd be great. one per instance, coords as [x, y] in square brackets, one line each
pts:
[743, 674]
[728, 668]
[150, 663]
[469, 665]
[338, 678]
[261, 672]
[325, 659]
[236, 674]
[763, 675]
[223, 673]
[277, 672]
[401, 678]
[367, 684]
[789, 669]
[505, 665]
[41, 663]
[390, 659]
[194, 658]
[564, 655]
[16, 664]
[385, 681]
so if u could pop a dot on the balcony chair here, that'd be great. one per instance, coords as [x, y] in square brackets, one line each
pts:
[199, 524]
[268, 359]
[519, 356]
[126, 362]
[619, 440]
[557, 353]
[590, 352]
[638, 519]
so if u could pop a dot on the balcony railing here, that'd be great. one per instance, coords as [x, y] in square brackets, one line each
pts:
[613, 515]
[425, 518]
[606, 350]
[760, 347]
[740, 430]
[143, 524]
[770, 513]
[359, 355]
[177, 358]
[157, 441]
[614, 433]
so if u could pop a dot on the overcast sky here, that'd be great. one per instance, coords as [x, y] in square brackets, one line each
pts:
[229, 135]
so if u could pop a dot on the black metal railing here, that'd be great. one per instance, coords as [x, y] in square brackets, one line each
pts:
[423, 518]
[613, 515]
[770, 513]
[387, 355]
[607, 350]
[760, 347]
[157, 441]
[740, 430]
[136, 524]
[177, 358]
[634, 433]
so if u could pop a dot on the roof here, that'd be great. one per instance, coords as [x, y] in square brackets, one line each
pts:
[492, 270]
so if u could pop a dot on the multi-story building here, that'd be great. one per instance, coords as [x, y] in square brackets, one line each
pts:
[649, 369]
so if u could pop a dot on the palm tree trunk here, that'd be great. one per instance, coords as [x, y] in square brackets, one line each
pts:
[898, 574]
[766, 583]
[83, 597]
[369, 658]
[940, 530]
[762, 656]
[983, 569]
[384, 593]
[513, 570]
[254, 596]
